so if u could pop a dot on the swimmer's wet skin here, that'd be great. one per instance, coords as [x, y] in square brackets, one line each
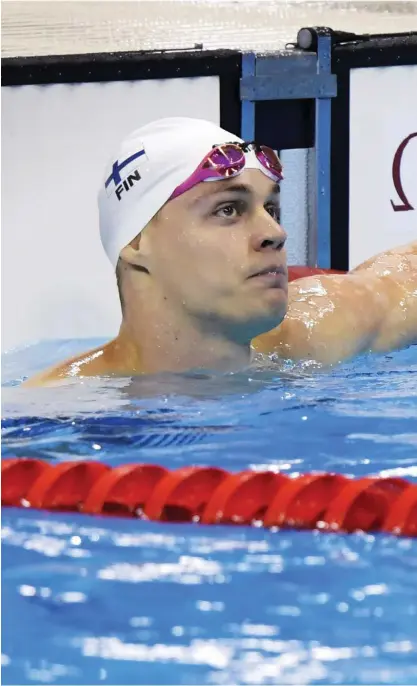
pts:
[193, 233]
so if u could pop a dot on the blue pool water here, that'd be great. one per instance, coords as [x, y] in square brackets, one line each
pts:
[88, 600]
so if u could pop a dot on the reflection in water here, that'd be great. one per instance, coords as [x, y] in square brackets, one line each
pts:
[190, 604]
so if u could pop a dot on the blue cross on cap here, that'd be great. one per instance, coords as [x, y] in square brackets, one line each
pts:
[127, 183]
[118, 166]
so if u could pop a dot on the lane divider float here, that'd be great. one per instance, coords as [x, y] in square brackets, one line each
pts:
[210, 495]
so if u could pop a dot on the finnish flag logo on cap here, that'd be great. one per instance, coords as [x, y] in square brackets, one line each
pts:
[125, 174]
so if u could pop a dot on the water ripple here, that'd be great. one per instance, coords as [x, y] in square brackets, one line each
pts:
[105, 600]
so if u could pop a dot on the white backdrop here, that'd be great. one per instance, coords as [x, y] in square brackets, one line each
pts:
[56, 141]
[383, 114]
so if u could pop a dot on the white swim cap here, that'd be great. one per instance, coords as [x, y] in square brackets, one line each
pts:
[150, 164]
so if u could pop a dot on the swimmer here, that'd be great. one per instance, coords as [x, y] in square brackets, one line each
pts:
[190, 220]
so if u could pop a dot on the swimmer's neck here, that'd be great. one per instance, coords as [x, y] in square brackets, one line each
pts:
[177, 347]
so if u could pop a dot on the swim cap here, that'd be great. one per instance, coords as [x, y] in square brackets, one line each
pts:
[149, 165]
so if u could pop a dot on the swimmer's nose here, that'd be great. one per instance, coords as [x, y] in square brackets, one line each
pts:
[271, 238]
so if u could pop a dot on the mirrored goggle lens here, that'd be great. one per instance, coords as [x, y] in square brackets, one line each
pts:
[270, 160]
[226, 156]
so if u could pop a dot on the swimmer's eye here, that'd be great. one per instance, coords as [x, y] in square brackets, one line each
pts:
[230, 210]
[274, 211]
[235, 209]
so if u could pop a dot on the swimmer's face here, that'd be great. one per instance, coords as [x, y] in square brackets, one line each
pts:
[208, 247]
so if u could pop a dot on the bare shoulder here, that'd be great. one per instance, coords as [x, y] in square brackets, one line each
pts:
[329, 318]
[93, 362]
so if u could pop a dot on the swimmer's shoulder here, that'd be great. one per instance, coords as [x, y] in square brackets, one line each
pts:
[329, 318]
[104, 360]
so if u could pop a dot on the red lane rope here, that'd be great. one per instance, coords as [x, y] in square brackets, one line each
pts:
[299, 271]
[209, 495]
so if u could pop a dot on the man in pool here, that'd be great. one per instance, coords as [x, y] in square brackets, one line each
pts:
[189, 218]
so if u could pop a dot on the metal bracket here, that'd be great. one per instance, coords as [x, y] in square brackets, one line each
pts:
[292, 86]
[289, 75]
[323, 153]
[248, 106]
[298, 75]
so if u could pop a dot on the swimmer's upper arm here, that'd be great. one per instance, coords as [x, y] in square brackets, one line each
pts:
[323, 323]
[97, 362]
[395, 275]
[336, 317]
[56, 376]
[86, 364]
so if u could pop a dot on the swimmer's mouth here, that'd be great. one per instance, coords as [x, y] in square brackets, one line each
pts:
[272, 270]
[271, 277]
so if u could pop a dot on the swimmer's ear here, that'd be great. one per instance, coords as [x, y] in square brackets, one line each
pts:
[137, 254]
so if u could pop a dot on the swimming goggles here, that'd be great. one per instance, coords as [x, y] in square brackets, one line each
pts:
[228, 160]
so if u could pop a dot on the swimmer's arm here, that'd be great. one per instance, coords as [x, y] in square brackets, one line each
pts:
[336, 317]
[90, 363]
[55, 376]
[388, 257]
[394, 274]
[106, 360]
